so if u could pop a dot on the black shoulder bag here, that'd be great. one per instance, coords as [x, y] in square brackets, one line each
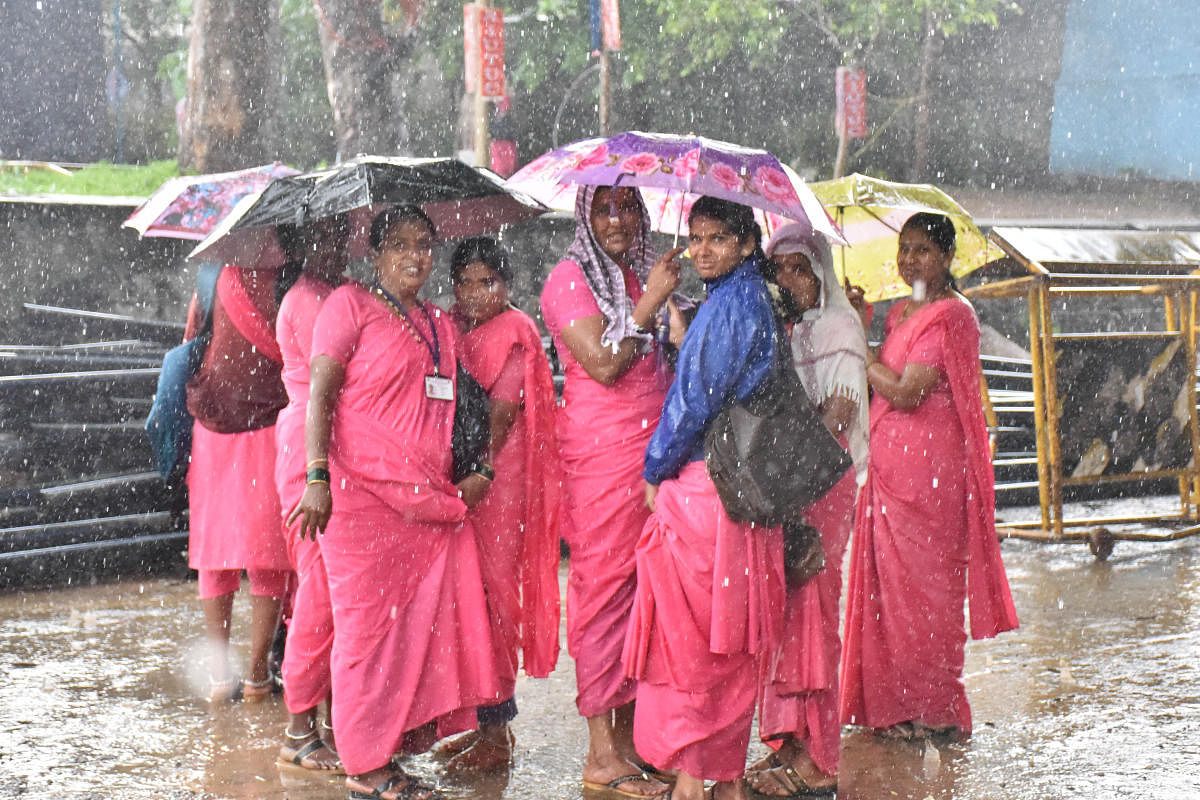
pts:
[771, 456]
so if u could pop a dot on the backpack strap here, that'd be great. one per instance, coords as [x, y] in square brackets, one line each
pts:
[206, 292]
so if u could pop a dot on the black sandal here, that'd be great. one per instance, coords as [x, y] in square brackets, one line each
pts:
[411, 787]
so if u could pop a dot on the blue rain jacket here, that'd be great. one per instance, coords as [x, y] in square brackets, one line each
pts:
[728, 351]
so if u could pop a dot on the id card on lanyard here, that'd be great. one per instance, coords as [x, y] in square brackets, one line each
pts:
[437, 385]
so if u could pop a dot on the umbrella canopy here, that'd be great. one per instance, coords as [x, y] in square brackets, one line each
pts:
[870, 213]
[672, 171]
[460, 199]
[189, 207]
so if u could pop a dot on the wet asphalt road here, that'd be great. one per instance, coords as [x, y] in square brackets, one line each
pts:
[1096, 696]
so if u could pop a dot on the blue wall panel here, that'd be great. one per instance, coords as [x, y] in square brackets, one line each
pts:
[1128, 98]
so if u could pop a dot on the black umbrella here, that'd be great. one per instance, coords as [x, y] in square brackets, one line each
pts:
[461, 200]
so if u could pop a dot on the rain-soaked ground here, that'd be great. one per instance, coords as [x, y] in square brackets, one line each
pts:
[1096, 696]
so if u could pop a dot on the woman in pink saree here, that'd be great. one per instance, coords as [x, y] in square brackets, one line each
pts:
[306, 678]
[925, 538]
[600, 304]
[798, 712]
[516, 523]
[412, 651]
[710, 591]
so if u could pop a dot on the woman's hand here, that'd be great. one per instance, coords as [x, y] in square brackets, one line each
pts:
[651, 497]
[676, 324]
[665, 276]
[314, 510]
[472, 489]
[858, 300]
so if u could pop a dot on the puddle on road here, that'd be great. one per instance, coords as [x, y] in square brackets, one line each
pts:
[1097, 695]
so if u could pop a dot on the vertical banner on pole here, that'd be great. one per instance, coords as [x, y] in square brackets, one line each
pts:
[594, 16]
[851, 89]
[483, 50]
[491, 53]
[610, 21]
[471, 47]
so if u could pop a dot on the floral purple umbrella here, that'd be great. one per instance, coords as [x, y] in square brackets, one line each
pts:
[190, 206]
[671, 171]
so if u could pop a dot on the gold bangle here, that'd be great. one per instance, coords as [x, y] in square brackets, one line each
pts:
[316, 461]
[317, 480]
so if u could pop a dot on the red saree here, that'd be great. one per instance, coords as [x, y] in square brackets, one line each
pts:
[516, 524]
[925, 537]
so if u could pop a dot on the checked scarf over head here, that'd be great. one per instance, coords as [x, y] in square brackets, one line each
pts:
[604, 276]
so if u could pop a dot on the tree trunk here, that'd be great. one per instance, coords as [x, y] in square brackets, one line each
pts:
[361, 57]
[921, 122]
[230, 85]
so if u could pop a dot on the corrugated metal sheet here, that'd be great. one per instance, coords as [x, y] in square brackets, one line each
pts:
[1104, 246]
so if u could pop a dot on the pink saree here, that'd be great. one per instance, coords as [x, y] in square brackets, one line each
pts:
[516, 524]
[709, 590]
[412, 639]
[602, 432]
[306, 679]
[925, 537]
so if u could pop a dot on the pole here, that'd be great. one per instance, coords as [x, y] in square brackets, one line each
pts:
[605, 90]
[117, 78]
[482, 154]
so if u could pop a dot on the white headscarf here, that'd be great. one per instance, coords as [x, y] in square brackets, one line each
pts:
[829, 346]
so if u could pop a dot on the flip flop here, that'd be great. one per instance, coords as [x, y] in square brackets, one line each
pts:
[611, 789]
[296, 761]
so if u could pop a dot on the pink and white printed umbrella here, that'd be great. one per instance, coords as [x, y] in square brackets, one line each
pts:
[672, 171]
[190, 206]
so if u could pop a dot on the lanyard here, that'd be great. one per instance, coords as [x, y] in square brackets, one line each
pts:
[434, 347]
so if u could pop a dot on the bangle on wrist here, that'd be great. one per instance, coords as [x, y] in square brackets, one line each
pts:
[316, 475]
[316, 462]
[484, 470]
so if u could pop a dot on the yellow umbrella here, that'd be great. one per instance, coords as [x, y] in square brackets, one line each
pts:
[870, 213]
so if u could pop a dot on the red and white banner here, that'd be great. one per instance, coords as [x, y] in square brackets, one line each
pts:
[483, 50]
[851, 102]
[610, 24]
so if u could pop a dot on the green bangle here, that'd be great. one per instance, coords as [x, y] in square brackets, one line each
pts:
[480, 468]
[316, 475]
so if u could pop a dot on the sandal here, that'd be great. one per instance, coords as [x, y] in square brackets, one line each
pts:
[612, 789]
[788, 779]
[303, 753]
[257, 691]
[412, 789]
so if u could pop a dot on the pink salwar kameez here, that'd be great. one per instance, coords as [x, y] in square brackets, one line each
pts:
[925, 537]
[602, 432]
[306, 679]
[412, 639]
[517, 523]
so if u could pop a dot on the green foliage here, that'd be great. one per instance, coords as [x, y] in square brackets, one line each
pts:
[117, 180]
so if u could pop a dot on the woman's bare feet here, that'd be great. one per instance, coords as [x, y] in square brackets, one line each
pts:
[790, 772]
[607, 769]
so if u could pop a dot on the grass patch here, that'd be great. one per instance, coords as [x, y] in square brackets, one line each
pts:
[95, 179]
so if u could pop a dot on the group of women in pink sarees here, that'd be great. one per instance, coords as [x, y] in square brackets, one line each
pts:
[420, 593]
